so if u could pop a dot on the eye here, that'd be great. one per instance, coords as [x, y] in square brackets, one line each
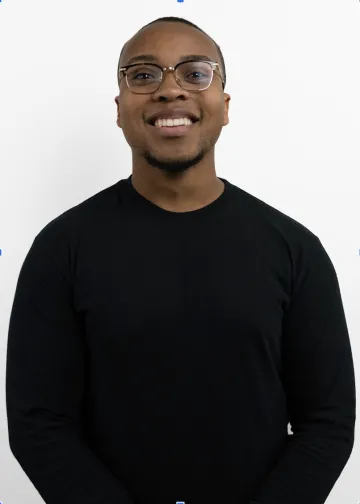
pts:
[142, 73]
[192, 73]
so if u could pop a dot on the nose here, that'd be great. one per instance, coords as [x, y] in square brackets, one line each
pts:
[169, 86]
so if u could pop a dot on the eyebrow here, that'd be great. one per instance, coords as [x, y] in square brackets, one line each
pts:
[152, 58]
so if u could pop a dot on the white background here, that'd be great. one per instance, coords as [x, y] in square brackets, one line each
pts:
[293, 140]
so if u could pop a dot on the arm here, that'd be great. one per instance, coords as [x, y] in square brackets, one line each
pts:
[44, 384]
[320, 386]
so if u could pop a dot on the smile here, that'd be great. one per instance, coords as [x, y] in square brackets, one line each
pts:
[175, 131]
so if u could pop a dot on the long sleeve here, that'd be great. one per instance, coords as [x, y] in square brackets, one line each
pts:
[318, 377]
[45, 381]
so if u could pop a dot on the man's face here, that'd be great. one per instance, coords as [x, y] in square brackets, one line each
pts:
[168, 42]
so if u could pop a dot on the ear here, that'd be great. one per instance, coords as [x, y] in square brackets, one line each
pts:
[227, 99]
[118, 111]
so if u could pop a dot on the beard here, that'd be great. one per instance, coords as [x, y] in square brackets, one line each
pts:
[173, 165]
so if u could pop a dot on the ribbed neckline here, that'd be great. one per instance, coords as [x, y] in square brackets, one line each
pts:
[149, 206]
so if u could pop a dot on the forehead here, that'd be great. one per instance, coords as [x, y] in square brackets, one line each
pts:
[167, 44]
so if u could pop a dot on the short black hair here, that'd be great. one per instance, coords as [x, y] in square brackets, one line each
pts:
[172, 19]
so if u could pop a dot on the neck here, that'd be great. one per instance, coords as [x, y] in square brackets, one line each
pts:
[180, 192]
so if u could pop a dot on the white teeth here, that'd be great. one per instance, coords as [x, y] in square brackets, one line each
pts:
[180, 121]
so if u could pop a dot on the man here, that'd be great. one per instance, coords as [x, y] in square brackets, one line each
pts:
[166, 331]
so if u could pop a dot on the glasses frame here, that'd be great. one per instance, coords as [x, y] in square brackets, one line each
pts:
[214, 66]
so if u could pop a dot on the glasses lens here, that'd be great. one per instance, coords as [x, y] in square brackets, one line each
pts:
[194, 75]
[191, 75]
[143, 78]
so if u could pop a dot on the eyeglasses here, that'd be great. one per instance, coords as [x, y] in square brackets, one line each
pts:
[184, 75]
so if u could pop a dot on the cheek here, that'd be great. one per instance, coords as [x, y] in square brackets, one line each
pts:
[133, 127]
[131, 112]
[128, 114]
[132, 121]
[213, 107]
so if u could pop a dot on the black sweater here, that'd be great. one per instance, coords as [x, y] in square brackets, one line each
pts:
[156, 357]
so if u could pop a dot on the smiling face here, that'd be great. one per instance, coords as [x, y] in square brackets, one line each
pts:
[169, 43]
